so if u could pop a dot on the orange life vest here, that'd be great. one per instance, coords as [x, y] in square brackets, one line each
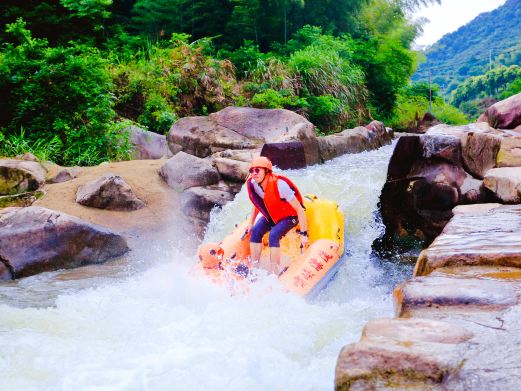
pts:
[276, 207]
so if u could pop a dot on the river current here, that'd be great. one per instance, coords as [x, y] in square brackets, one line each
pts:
[157, 326]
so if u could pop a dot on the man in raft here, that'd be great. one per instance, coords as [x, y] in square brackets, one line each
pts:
[279, 202]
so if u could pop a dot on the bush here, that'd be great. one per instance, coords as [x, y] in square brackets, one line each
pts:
[63, 92]
[449, 114]
[271, 99]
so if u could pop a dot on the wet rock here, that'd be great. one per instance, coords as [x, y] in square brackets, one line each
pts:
[424, 330]
[148, 145]
[484, 235]
[233, 170]
[505, 183]
[108, 192]
[198, 202]
[359, 139]
[35, 240]
[432, 293]
[20, 176]
[347, 141]
[183, 171]
[386, 364]
[430, 174]
[479, 152]
[505, 114]
[380, 135]
[243, 128]
[287, 155]
[441, 146]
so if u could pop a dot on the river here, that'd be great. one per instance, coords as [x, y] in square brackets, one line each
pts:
[154, 325]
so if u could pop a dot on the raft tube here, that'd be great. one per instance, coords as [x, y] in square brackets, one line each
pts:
[307, 272]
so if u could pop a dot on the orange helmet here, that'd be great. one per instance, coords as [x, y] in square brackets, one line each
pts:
[262, 162]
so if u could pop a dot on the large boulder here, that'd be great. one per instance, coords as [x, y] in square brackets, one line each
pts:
[183, 171]
[148, 145]
[479, 152]
[35, 240]
[108, 192]
[242, 128]
[505, 114]
[20, 176]
[359, 139]
[197, 202]
[430, 174]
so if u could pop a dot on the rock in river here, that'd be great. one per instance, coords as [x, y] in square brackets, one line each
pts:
[35, 240]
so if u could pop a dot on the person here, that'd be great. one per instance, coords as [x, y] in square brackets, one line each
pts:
[280, 204]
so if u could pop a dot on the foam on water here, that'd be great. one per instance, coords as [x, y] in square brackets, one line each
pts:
[165, 328]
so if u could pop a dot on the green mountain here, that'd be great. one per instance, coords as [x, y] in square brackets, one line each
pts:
[490, 40]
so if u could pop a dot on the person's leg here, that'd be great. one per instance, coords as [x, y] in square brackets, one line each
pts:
[277, 232]
[257, 232]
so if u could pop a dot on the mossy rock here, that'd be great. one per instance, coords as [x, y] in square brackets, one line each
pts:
[23, 199]
[19, 176]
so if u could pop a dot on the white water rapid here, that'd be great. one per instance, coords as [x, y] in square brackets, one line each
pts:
[158, 327]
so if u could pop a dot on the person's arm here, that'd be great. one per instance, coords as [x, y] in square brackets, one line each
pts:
[253, 217]
[301, 214]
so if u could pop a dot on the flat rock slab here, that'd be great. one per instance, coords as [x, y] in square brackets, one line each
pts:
[452, 294]
[108, 192]
[485, 235]
[35, 239]
[20, 176]
[386, 364]
[501, 273]
[505, 183]
[424, 330]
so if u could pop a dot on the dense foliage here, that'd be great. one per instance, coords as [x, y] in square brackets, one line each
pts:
[73, 71]
[491, 40]
[419, 98]
[478, 92]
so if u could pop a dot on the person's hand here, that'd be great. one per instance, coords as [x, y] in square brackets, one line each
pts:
[304, 241]
[247, 231]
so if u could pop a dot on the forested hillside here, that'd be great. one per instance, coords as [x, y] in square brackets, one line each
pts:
[74, 73]
[491, 40]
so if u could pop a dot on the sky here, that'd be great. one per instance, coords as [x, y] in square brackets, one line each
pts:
[451, 15]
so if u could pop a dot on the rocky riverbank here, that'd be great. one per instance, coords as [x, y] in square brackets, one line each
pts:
[457, 324]
[458, 318]
[77, 212]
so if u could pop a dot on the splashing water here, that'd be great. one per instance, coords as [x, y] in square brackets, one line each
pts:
[164, 328]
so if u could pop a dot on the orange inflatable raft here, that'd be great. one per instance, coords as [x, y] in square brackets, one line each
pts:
[307, 271]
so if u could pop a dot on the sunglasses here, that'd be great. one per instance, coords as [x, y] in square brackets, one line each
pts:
[255, 170]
